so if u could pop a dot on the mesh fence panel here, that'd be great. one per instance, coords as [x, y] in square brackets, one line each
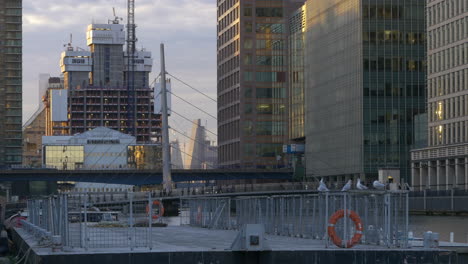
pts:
[384, 215]
[97, 220]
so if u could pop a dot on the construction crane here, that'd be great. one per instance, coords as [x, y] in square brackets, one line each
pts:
[131, 42]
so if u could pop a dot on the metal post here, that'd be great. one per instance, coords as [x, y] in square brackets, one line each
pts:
[425, 208]
[407, 220]
[66, 229]
[50, 221]
[345, 235]
[229, 213]
[451, 199]
[325, 219]
[130, 235]
[150, 221]
[167, 178]
[85, 228]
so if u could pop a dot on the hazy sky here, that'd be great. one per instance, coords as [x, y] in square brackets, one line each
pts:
[187, 27]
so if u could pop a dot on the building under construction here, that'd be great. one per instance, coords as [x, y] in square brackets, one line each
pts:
[96, 92]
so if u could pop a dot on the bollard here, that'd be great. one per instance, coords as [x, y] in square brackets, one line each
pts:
[451, 237]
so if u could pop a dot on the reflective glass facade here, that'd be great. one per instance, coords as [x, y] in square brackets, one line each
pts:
[296, 75]
[144, 157]
[366, 72]
[253, 82]
[10, 82]
[64, 157]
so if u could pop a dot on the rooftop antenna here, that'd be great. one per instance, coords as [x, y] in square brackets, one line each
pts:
[69, 46]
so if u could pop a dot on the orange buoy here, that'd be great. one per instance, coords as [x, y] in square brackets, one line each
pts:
[332, 232]
[161, 209]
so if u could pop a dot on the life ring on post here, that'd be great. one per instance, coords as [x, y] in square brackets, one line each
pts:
[332, 232]
[161, 209]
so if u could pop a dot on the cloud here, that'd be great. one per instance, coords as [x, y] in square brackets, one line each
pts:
[187, 27]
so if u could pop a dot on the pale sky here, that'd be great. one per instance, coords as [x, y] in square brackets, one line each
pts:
[187, 27]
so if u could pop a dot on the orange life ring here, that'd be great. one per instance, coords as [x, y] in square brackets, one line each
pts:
[161, 209]
[332, 232]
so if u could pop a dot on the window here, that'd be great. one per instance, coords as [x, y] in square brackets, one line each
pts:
[248, 26]
[247, 11]
[248, 44]
[270, 28]
[269, 12]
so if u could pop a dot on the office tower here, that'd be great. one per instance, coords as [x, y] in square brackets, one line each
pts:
[95, 92]
[252, 82]
[200, 153]
[443, 164]
[35, 127]
[196, 147]
[176, 156]
[365, 72]
[10, 82]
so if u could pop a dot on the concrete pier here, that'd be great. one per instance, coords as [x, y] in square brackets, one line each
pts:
[180, 244]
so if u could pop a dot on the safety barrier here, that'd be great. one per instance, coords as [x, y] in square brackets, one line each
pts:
[383, 215]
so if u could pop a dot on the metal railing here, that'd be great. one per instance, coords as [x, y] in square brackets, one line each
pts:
[384, 215]
[80, 220]
[433, 201]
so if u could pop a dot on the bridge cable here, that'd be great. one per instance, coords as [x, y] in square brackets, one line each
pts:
[193, 88]
[201, 110]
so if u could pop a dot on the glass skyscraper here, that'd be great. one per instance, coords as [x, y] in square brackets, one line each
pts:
[10, 82]
[365, 73]
[252, 82]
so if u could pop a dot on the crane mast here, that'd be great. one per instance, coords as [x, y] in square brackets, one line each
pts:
[131, 41]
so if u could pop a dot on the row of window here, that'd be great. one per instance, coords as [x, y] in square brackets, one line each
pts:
[229, 112]
[264, 60]
[279, 77]
[264, 11]
[224, 6]
[264, 128]
[265, 93]
[445, 10]
[228, 66]
[382, 12]
[228, 19]
[448, 33]
[394, 37]
[394, 89]
[264, 150]
[265, 44]
[228, 131]
[452, 133]
[228, 51]
[394, 65]
[12, 42]
[378, 138]
[13, 12]
[449, 108]
[448, 58]
[229, 152]
[228, 81]
[448, 83]
[228, 97]
[265, 109]
[13, 35]
[228, 35]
